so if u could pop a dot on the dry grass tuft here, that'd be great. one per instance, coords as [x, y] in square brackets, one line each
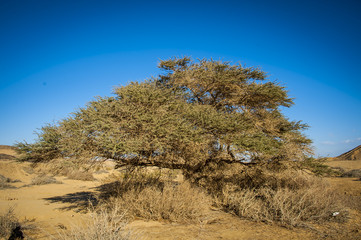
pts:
[4, 182]
[355, 173]
[10, 226]
[179, 203]
[80, 175]
[147, 195]
[102, 225]
[4, 185]
[65, 167]
[284, 206]
[8, 221]
[288, 197]
[43, 179]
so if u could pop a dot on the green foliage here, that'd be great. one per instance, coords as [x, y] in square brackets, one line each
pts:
[242, 107]
[318, 167]
[222, 85]
[44, 149]
[196, 114]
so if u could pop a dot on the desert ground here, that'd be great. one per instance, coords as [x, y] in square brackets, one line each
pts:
[49, 209]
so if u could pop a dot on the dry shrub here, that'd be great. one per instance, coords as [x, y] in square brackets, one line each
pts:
[287, 196]
[133, 179]
[11, 227]
[4, 182]
[8, 221]
[285, 206]
[29, 169]
[66, 167]
[355, 173]
[4, 185]
[240, 177]
[103, 224]
[43, 179]
[176, 203]
[80, 175]
[147, 195]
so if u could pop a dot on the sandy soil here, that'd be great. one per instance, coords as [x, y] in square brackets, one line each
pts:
[57, 206]
[347, 165]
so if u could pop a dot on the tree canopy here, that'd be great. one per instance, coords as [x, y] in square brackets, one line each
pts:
[196, 113]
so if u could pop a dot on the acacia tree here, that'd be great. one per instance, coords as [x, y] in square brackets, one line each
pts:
[195, 114]
[248, 105]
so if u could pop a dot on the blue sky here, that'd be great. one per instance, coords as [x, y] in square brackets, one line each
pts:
[57, 55]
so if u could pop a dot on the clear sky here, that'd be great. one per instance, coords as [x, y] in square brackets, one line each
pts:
[57, 55]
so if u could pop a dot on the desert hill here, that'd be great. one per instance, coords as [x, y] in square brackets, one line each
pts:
[353, 154]
[7, 152]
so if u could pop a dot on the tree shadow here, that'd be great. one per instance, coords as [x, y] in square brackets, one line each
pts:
[79, 201]
[108, 190]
